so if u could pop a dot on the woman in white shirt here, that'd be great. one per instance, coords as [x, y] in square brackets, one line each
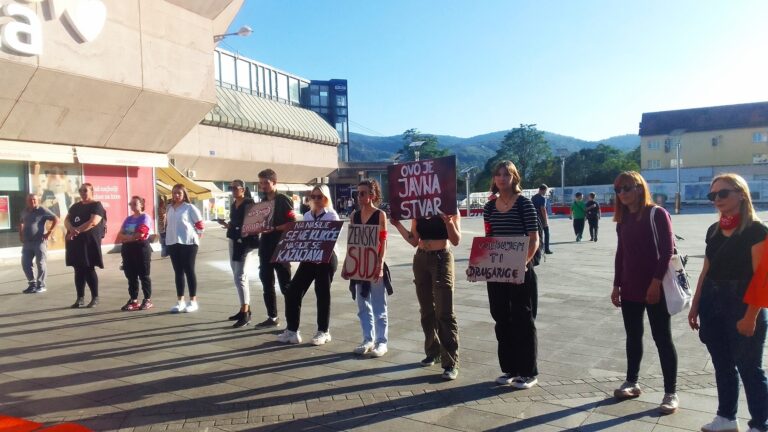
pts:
[183, 229]
[321, 273]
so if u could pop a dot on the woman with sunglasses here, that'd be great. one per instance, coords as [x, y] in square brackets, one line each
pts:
[85, 229]
[321, 209]
[639, 269]
[183, 229]
[240, 249]
[136, 253]
[733, 331]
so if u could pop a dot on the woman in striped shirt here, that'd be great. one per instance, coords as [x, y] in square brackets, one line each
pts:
[513, 307]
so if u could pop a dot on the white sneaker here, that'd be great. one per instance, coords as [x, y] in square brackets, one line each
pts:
[289, 337]
[192, 306]
[380, 350]
[180, 307]
[627, 390]
[363, 348]
[506, 379]
[525, 382]
[721, 424]
[321, 338]
[669, 404]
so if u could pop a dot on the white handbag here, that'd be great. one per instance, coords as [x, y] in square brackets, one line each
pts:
[677, 288]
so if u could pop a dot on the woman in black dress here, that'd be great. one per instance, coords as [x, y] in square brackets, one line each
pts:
[85, 229]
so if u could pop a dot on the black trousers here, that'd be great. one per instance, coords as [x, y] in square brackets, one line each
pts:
[136, 259]
[514, 309]
[546, 237]
[322, 275]
[659, 318]
[83, 276]
[593, 228]
[267, 271]
[183, 261]
[578, 227]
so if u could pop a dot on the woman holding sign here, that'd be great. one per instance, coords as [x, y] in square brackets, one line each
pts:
[514, 307]
[321, 273]
[732, 319]
[433, 276]
[371, 295]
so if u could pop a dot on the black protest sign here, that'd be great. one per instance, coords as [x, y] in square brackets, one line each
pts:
[308, 241]
[423, 188]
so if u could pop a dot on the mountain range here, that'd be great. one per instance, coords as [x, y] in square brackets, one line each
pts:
[476, 150]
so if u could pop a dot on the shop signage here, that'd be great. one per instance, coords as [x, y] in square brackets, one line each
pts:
[498, 259]
[23, 35]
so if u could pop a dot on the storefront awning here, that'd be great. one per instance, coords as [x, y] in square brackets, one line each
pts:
[36, 152]
[100, 156]
[171, 176]
[163, 189]
[211, 186]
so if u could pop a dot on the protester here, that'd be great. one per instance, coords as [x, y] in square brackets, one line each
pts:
[282, 214]
[434, 279]
[372, 296]
[240, 249]
[514, 306]
[136, 253]
[578, 212]
[34, 238]
[183, 229]
[85, 228]
[321, 273]
[593, 216]
[540, 204]
[639, 269]
[161, 212]
[733, 331]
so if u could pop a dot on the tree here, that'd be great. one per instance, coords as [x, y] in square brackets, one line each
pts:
[526, 147]
[428, 150]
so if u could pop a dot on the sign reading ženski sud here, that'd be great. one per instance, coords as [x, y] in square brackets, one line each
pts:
[423, 188]
[258, 218]
[498, 259]
[362, 252]
[308, 241]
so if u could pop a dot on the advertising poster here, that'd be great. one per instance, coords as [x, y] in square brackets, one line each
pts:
[109, 187]
[362, 252]
[498, 259]
[258, 218]
[5, 212]
[309, 241]
[423, 188]
[56, 184]
[141, 182]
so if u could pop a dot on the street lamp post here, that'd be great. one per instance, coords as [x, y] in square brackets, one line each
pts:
[244, 31]
[468, 173]
[416, 145]
[677, 136]
[563, 153]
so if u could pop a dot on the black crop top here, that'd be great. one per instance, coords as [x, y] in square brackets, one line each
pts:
[432, 229]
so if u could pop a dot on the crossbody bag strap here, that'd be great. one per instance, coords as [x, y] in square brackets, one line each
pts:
[655, 232]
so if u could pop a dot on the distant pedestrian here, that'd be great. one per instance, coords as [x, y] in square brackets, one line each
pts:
[733, 331]
[639, 268]
[593, 216]
[162, 207]
[578, 213]
[183, 229]
[85, 229]
[34, 237]
[514, 306]
[540, 203]
[137, 254]
[320, 273]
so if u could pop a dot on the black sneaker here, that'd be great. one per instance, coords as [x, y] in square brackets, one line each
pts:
[430, 360]
[80, 302]
[548, 252]
[244, 319]
[30, 290]
[268, 323]
[236, 316]
[94, 302]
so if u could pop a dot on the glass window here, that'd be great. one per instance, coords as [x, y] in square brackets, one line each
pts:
[227, 69]
[243, 74]
[273, 83]
[282, 86]
[314, 100]
[324, 95]
[760, 137]
[262, 86]
[255, 79]
[341, 111]
[341, 128]
[341, 100]
[654, 164]
[654, 145]
[293, 88]
[216, 71]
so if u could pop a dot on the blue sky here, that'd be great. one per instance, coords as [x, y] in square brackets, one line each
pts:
[587, 69]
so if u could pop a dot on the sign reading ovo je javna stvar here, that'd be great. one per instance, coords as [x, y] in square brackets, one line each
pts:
[308, 241]
[258, 218]
[498, 259]
[362, 252]
[423, 188]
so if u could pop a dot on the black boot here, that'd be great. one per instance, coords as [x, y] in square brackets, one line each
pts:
[244, 319]
[236, 316]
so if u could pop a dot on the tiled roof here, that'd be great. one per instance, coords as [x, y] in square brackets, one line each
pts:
[249, 113]
[705, 119]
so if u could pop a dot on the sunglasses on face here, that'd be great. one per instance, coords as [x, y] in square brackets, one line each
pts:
[722, 194]
[316, 197]
[234, 188]
[83, 191]
[625, 189]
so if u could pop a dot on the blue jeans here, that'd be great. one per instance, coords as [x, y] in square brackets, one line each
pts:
[38, 252]
[372, 312]
[734, 355]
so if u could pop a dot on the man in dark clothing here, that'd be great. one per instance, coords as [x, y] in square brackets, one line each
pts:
[282, 214]
[593, 216]
[33, 238]
[540, 204]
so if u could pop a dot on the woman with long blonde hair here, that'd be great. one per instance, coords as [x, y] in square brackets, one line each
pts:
[639, 267]
[733, 331]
